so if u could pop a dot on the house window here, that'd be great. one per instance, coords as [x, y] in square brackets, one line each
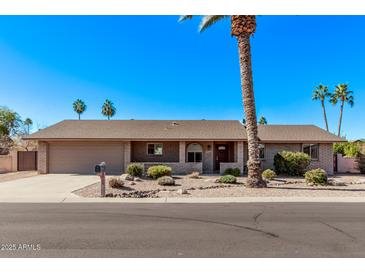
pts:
[261, 151]
[154, 149]
[195, 153]
[312, 150]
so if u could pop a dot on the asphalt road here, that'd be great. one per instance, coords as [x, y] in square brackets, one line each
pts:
[183, 230]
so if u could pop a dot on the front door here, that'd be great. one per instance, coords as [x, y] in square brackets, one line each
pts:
[221, 155]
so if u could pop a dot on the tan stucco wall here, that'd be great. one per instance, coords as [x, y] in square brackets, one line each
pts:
[325, 160]
[5, 163]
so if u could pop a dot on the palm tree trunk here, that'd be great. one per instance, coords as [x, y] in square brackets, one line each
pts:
[79, 116]
[254, 178]
[324, 114]
[340, 120]
[108, 117]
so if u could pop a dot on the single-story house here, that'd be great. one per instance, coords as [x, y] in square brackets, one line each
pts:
[207, 146]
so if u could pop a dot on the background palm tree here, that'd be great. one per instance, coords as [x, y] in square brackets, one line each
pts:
[262, 121]
[242, 27]
[28, 123]
[79, 107]
[321, 93]
[344, 95]
[108, 109]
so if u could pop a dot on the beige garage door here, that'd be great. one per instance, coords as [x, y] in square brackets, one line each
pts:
[81, 158]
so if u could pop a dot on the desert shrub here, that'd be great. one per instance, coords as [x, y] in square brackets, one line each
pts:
[159, 171]
[316, 177]
[194, 175]
[115, 182]
[135, 170]
[232, 171]
[166, 181]
[347, 149]
[291, 163]
[268, 174]
[227, 179]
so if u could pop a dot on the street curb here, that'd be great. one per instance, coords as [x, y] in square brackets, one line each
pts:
[219, 200]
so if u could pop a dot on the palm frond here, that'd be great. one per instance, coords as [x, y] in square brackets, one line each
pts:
[209, 20]
[184, 18]
[350, 100]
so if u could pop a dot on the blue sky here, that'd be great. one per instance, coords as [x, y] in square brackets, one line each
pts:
[152, 67]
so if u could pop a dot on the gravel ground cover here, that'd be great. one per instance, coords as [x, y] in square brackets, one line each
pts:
[10, 176]
[343, 186]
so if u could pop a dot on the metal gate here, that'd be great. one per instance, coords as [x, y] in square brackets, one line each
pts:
[27, 160]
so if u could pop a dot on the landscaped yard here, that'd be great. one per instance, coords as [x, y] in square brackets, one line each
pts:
[342, 186]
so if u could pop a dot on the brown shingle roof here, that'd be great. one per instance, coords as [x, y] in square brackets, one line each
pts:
[179, 130]
[143, 129]
[294, 133]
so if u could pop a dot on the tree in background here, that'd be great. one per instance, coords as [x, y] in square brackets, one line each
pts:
[10, 124]
[108, 109]
[262, 121]
[321, 93]
[28, 123]
[243, 27]
[79, 107]
[343, 95]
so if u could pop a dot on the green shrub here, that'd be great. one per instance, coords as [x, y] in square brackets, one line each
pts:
[316, 177]
[166, 181]
[227, 179]
[232, 171]
[115, 182]
[159, 171]
[135, 170]
[347, 149]
[268, 174]
[291, 163]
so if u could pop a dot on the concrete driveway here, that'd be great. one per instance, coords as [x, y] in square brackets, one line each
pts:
[44, 188]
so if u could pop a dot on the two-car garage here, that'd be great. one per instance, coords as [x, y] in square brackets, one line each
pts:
[81, 157]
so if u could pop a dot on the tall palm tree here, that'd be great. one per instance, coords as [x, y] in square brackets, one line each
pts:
[344, 95]
[28, 123]
[79, 107]
[321, 93]
[108, 109]
[262, 121]
[243, 27]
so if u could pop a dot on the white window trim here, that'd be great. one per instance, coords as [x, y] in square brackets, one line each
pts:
[200, 151]
[310, 154]
[154, 144]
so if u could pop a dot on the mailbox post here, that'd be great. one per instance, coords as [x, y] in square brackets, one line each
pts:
[100, 170]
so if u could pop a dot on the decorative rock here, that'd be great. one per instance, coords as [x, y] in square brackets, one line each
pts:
[166, 181]
[136, 179]
[182, 191]
[360, 181]
[126, 177]
[338, 183]
[132, 183]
